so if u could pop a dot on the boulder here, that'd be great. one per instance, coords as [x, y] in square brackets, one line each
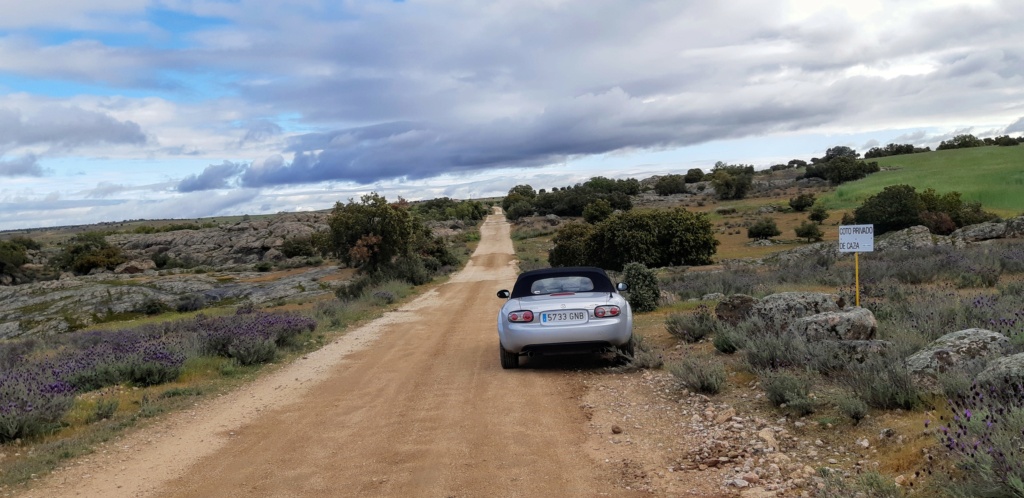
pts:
[1014, 228]
[779, 311]
[714, 296]
[957, 351]
[273, 255]
[135, 266]
[1006, 369]
[735, 308]
[852, 324]
[980, 232]
[909, 238]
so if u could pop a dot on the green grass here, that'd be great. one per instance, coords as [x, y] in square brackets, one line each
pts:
[991, 175]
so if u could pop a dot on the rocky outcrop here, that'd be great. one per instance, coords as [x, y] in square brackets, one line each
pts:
[980, 232]
[853, 324]
[735, 308]
[779, 311]
[910, 238]
[245, 242]
[963, 350]
[136, 266]
[58, 306]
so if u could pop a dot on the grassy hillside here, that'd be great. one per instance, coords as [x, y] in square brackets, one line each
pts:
[991, 175]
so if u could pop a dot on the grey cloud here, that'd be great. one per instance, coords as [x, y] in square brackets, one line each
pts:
[213, 177]
[590, 124]
[26, 165]
[66, 127]
[1016, 126]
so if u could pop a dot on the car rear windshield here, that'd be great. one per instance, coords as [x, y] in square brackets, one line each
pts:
[562, 284]
[544, 282]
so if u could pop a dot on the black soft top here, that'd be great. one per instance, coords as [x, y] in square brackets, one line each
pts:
[596, 275]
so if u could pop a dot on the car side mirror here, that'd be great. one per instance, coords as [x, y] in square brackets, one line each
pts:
[622, 286]
[504, 294]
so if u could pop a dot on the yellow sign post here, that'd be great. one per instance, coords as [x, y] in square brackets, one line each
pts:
[856, 239]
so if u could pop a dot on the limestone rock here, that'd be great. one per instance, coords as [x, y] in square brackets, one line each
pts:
[980, 232]
[735, 308]
[135, 266]
[956, 351]
[851, 324]
[780, 310]
[1008, 368]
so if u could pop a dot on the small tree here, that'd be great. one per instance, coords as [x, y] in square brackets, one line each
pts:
[670, 184]
[801, 202]
[643, 287]
[894, 208]
[694, 175]
[368, 234]
[818, 214]
[571, 245]
[764, 228]
[597, 211]
[810, 231]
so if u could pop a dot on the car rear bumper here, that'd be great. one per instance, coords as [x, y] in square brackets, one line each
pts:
[534, 337]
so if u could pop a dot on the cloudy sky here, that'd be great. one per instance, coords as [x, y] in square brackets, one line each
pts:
[126, 109]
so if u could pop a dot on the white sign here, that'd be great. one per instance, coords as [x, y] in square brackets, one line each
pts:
[856, 238]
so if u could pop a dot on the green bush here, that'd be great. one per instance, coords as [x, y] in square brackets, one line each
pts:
[88, 251]
[597, 211]
[801, 202]
[764, 228]
[654, 237]
[571, 245]
[646, 356]
[853, 408]
[883, 383]
[692, 327]
[768, 351]
[369, 234]
[694, 175]
[894, 208]
[818, 214]
[670, 184]
[643, 287]
[731, 181]
[298, 246]
[809, 230]
[728, 340]
[782, 388]
[703, 376]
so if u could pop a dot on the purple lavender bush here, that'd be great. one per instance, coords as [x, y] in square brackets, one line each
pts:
[38, 382]
[986, 439]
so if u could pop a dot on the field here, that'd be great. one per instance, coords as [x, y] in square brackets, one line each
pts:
[991, 175]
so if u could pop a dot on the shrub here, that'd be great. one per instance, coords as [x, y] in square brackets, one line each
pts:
[369, 234]
[670, 184]
[263, 266]
[597, 211]
[938, 223]
[152, 306]
[571, 245]
[694, 175]
[728, 340]
[384, 297]
[731, 181]
[810, 231]
[654, 237]
[818, 214]
[191, 302]
[764, 228]
[768, 351]
[298, 246]
[252, 349]
[645, 356]
[704, 376]
[788, 391]
[801, 202]
[894, 208]
[691, 327]
[88, 251]
[643, 287]
[103, 410]
[883, 383]
[853, 408]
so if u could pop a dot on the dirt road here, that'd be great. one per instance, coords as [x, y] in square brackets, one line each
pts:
[413, 404]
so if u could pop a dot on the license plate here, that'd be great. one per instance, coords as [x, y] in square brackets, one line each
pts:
[567, 317]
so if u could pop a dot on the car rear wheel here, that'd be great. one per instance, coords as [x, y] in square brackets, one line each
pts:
[508, 360]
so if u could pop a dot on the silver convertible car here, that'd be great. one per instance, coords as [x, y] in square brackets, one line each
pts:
[563, 311]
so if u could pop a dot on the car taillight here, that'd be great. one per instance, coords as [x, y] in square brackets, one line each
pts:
[520, 316]
[606, 311]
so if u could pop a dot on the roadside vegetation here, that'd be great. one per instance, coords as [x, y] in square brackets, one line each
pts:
[960, 439]
[64, 395]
